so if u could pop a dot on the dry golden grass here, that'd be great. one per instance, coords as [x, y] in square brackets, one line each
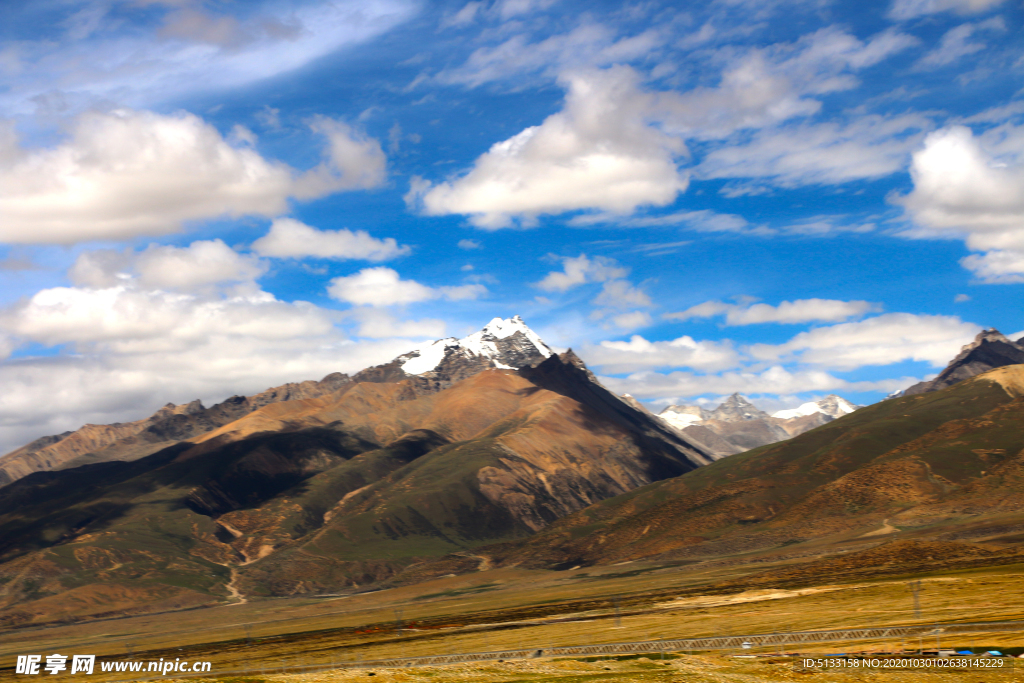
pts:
[507, 609]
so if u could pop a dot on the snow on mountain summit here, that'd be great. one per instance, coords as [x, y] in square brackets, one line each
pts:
[507, 342]
[831, 405]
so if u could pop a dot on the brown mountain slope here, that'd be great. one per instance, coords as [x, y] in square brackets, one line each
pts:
[945, 465]
[320, 493]
[132, 440]
[988, 351]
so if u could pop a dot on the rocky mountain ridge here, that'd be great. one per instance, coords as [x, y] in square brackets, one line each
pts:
[737, 425]
[507, 344]
[989, 350]
[937, 467]
[306, 494]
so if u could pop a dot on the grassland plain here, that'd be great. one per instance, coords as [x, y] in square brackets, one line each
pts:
[513, 608]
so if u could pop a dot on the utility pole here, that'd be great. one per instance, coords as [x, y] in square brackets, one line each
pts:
[915, 589]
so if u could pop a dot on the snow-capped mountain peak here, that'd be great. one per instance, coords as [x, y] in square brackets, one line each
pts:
[831, 405]
[507, 343]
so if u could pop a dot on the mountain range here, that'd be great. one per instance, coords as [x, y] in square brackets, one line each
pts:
[493, 450]
[325, 485]
[737, 425]
[944, 466]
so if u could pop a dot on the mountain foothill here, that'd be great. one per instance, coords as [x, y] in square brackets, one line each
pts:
[493, 450]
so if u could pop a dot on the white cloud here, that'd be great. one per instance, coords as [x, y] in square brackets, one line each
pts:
[956, 43]
[768, 86]
[384, 287]
[632, 320]
[787, 312]
[194, 51]
[289, 238]
[378, 323]
[881, 340]
[581, 270]
[378, 287]
[973, 188]
[354, 161]
[128, 319]
[197, 265]
[599, 152]
[465, 16]
[200, 265]
[870, 146]
[215, 351]
[998, 266]
[908, 9]
[462, 292]
[131, 173]
[587, 45]
[126, 173]
[614, 146]
[507, 9]
[143, 328]
[704, 220]
[469, 245]
[675, 387]
[682, 368]
[621, 294]
[640, 354]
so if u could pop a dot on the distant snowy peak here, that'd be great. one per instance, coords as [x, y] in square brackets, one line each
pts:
[831, 405]
[507, 343]
[679, 419]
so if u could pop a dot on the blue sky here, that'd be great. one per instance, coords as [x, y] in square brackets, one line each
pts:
[785, 199]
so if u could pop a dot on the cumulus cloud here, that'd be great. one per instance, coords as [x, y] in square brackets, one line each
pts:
[127, 173]
[640, 354]
[908, 9]
[621, 294]
[353, 161]
[469, 245]
[126, 319]
[289, 238]
[996, 267]
[379, 323]
[206, 352]
[881, 340]
[197, 266]
[614, 147]
[599, 152]
[787, 312]
[767, 86]
[165, 323]
[384, 287]
[581, 270]
[973, 188]
[632, 320]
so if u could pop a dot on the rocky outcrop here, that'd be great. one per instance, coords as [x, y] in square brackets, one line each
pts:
[737, 425]
[989, 350]
[169, 425]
